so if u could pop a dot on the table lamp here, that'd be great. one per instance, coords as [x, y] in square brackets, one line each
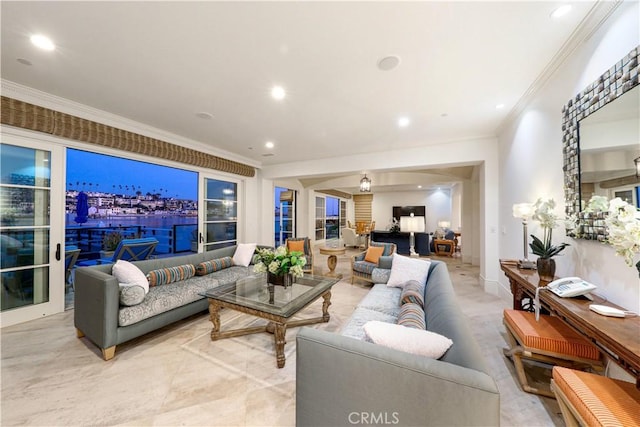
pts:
[524, 212]
[412, 224]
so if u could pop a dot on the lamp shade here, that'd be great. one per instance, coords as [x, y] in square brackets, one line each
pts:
[522, 210]
[413, 224]
[444, 224]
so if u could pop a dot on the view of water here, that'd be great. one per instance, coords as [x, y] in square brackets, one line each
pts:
[88, 236]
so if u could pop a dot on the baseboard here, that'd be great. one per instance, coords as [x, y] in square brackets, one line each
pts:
[490, 286]
[504, 292]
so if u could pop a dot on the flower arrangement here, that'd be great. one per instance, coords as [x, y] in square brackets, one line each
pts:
[543, 213]
[280, 261]
[395, 226]
[623, 226]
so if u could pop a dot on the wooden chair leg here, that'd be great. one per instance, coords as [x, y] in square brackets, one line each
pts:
[108, 353]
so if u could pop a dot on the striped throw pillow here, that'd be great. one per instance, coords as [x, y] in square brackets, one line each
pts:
[164, 276]
[413, 291]
[209, 267]
[412, 316]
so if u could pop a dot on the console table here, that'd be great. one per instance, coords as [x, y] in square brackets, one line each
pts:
[619, 338]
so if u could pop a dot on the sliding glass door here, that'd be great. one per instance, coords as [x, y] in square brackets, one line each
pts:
[31, 217]
[219, 225]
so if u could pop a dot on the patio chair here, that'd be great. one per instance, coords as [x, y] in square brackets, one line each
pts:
[70, 257]
[128, 250]
[308, 252]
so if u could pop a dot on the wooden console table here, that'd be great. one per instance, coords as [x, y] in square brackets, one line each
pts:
[619, 338]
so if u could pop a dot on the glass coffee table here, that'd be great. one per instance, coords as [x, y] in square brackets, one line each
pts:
[277, 304]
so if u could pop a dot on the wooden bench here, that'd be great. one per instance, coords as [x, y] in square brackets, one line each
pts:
[592, 400]
[548, 340]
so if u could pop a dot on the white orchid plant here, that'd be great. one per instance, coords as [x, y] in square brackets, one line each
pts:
[623, 226]
[280, 261]
[543, 213]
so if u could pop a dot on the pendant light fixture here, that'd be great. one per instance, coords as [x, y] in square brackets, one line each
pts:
[365, 184]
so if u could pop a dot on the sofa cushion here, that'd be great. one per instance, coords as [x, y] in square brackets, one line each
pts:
[364, 267]
[360, 316]
[413, 292]
[383, 299]
[405, 269]
[208, 267]
[131, 294]
[410, 340]
[412, 316]
[380, 275]
[127, 273]
[165, 298]
[231, 274]
[167, 275]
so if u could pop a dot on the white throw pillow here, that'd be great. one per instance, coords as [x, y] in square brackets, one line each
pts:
[244, 254]
[404, 269]
[128, 274]
[410, 340]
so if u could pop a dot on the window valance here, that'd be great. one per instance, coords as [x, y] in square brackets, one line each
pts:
[28, 116]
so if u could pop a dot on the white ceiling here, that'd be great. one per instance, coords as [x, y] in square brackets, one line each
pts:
[160, 63]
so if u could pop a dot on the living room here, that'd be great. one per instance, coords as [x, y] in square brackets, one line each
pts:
[517, 158]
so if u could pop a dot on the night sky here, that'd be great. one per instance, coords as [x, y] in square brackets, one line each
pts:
[106, 171]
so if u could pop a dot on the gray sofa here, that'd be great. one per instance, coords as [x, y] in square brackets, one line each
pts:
[343, 380]
[99, 316]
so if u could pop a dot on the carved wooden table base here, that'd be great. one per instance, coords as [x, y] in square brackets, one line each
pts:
[277, 325]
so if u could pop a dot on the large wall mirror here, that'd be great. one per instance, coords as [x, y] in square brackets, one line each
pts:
[601, 139]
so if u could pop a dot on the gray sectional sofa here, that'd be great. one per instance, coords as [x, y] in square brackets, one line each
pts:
[343, 380]
[99, 316]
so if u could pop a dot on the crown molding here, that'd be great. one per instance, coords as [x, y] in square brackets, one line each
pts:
[34, 96]
[594, 19]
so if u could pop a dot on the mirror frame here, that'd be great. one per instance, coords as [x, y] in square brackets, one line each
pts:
[613, 83]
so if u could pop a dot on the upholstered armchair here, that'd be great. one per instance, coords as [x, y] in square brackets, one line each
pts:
[363, 264]
[351, 239]
[302, 244]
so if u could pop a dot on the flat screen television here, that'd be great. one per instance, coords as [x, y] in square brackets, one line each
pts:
[399, 211]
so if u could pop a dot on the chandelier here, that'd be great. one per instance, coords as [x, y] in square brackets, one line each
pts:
[365, 184]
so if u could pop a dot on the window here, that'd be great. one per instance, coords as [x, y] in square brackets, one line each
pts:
[221, 213]
[285, 215]
[332, 218]
[320, 218]
[129, 197]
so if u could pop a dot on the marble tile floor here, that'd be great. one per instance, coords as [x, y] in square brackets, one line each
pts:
[177, 376]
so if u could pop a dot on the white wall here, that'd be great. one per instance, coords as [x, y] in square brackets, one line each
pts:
[437, 206]
[530, 161]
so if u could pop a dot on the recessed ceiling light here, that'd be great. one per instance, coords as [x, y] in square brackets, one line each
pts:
[499, 106]
[278, 92]
[388, 62]
[269, 144]
[419, 186]
[561, 11]
[24, 61]
[403, 122]
[204, 115]
[43, 42]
